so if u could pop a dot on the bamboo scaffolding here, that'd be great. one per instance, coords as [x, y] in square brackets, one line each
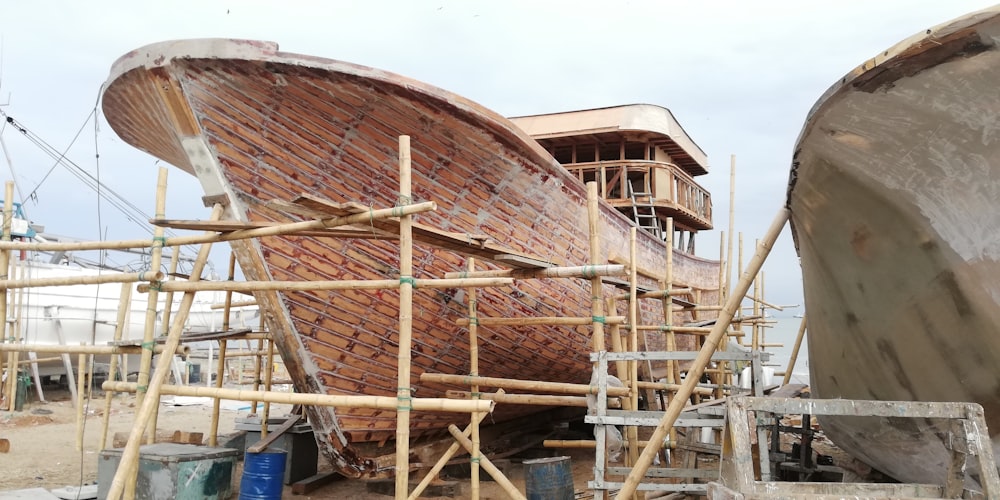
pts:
[125, 476]
[295, 398]
[220, 370]
[474, 371]
[81, 280]
[81, 376]
[169, 301]
[233, 305]
[673, 367]
[84, 349]
[124, 301]
[795, 352]
[596, 302]
[632, 432]
[268, 372]
[704, 356]
[548, 272]
[259, 286]
[8, 215]
[404, 395]
[657, 294]
[446, 456]
[243, 234]
[662, 386]
[485, 462]
[581, 443]
[38, 360]
[541, 320]
[691, 330]
[732, 224]
[527, 385]
[149, 325]
[523, 399]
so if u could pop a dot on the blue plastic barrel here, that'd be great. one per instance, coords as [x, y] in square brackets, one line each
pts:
[263, 475]
[549, 478]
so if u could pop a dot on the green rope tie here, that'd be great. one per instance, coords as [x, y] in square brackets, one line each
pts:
[141, 388]
[148, 345]
[589, 271]
[598, 319]
[473, 321]
[463, 275]
[408, 279]
[405, 402]
[156, 285]
[159, 241]
[397, 211]
[666, 328]
[404, 200]
[476, 394]
[474, 460]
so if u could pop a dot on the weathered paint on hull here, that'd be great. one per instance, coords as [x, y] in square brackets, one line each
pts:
[893, 195]
[256, 124]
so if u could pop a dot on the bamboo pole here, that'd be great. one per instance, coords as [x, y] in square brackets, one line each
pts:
[17, 302]
[632, 432]
[268, 372]
[256, 371]
[233, 305]
[297, 398]
[474, 372]
[81, 375]
[404, 394]
[491, 469]
[660, 294]
[704, 356]
[81, 280]
[596, 301]
[732, 224]
[691, 330]
[152, 301]
[125, 476]
[259, 286]
[169, 301]
[581, 443]
[220, 373]
[661, 386]
[528, 385]
[589, 271]
[547, 320]
[241, 234]
[722, 377]
[755, 328]
[523, 399]
[450, 452]
[795, 351]
[124, 301]
[8, 215]
[38, 360]
[84, 349]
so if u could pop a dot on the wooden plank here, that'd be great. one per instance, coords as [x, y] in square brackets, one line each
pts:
[313, 483]
[262, 445]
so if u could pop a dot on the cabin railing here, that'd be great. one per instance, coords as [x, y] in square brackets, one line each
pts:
[669, 185]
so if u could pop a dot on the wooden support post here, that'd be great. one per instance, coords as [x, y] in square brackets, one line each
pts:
[128, 467]
[149, 331]
[704, 356]
[124, 306]
[403, 393]
[795, 352]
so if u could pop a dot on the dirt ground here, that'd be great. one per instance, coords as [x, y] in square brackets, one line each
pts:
[42, 447]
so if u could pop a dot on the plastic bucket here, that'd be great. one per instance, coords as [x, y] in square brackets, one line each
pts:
[263, 475]
[549, 478]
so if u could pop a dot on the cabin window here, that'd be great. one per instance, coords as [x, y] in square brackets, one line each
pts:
[635, 151]
[563, 154]
[586, 153]
[611, 151]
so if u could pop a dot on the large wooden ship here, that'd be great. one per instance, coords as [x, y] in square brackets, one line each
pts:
[264, 130]
[893, 197]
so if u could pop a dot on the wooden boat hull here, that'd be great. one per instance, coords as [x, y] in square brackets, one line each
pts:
[893, 196]
[255, 124]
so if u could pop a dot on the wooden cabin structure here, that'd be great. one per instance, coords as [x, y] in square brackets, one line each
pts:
[640, 156]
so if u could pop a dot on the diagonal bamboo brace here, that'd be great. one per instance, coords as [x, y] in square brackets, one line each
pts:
[487, 465]
[704, 356]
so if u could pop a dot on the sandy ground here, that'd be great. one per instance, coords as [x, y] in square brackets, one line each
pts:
[43, 451]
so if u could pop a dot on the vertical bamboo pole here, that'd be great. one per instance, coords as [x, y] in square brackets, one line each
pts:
[268, 372]
[632, 432]
[8, 215]
[18, 271]
[673, 367]
[220, 371]
[146, 360]
[404, 394]
[755, 338]
[596, 301]
[125, 302]
[732, 223]
[256, 375]
[81, 375]
[795, 352]
[125, 476]
[723, 375]
[474, 372]
[704, 356]
[169, 302]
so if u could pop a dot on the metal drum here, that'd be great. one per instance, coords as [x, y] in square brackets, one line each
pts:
[549, 478]
[263, 475]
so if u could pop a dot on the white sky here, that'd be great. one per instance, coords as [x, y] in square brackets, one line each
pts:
[739, 76]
